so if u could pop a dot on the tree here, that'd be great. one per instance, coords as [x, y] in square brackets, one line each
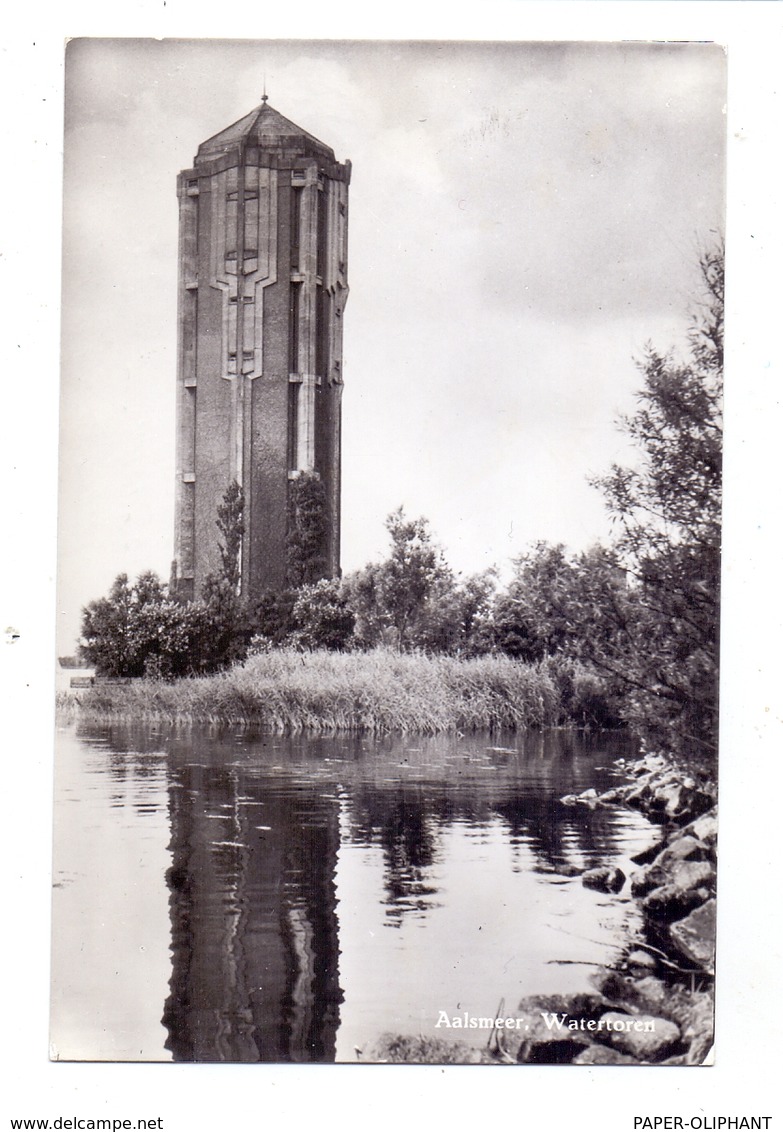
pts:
[457, 616]
[362, 592]
[408, 578]
[532, 618]
[476, 596]
[223, 632]
[321, 617]
[106, 630]
[306, 539]
[139, 630]
[667, 512]
[231, 525]
[273, 620]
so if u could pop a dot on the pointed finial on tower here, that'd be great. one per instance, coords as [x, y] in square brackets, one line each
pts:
[264, 96]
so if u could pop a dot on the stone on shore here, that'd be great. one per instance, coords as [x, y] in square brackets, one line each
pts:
[666, 796]
[542, 1046]
[648, 855]
[537, 1042]
[586, 798]
[694, 937]
[603, 1055]
[691, 1010]
[605, 879]
[669, 904]
[642, 1036]
[704, 828]
[672, 890]
[641, 961]
[616, 794]
[685, 848]
[402, 1049]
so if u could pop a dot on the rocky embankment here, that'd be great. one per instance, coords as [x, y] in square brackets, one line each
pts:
[656, 1005]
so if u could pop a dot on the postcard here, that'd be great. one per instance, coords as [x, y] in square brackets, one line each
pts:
[389, 553]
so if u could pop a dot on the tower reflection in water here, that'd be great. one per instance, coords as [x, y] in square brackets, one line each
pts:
[253, 913]
[257, 825]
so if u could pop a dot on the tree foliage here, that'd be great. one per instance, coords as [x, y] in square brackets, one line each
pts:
[315, 616]
[667, 512]
[643, 613]
[223, 628]
[139, 630]
[410, 575]
[230, 523]
[321, 617]
[626, 631]
[306, 538]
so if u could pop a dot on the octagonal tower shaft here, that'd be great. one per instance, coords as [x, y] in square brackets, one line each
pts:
[263, 239]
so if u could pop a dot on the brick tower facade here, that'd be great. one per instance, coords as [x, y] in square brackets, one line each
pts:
[263, 225]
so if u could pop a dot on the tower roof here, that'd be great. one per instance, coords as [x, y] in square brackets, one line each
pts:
[266, 128]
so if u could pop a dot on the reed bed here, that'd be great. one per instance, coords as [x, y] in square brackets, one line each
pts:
[379, 692]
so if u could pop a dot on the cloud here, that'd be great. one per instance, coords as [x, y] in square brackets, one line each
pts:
[522, 218]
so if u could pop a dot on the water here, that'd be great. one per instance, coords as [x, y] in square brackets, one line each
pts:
[225, 895]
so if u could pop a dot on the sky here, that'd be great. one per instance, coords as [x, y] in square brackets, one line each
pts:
[99, 530]
[524, 217]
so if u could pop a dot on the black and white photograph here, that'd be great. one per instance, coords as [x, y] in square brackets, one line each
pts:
[403, 595]
[392, 414]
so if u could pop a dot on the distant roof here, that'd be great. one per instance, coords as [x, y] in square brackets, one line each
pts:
[268, 128]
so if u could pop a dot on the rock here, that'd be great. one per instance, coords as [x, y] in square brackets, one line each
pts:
[694, 937]
[541, 1045]
[686, 848]
[649, 764]
[638, 797]
[669, 796]
[670, 904]
[552, 1042]
[645, 881]
[605, 879]
[603, 1055]
[670, 799]
[642, 1036]
[586, 798]
[647, 995]
[683, 886]
[648, 855]
[572, 1005]
[690, 802]
[699, 1029]
[652, 995]
[402, 1049]
[681, 875]
[704, 828]
[692, 1011]
[612, 797]
[641, 961]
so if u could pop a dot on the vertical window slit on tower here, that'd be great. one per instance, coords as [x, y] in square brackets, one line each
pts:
[190, 417]
[323, 201]
[322, 309]
[293, 328]
[296, 225]
[293, 424]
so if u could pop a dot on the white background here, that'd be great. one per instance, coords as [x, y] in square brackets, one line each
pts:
[746, 1077]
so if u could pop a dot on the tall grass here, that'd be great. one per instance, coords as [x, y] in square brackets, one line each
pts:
[379, 692]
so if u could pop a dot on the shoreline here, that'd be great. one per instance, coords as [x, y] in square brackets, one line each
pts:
[655, 1006]
[376, 692]
[666, 973]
